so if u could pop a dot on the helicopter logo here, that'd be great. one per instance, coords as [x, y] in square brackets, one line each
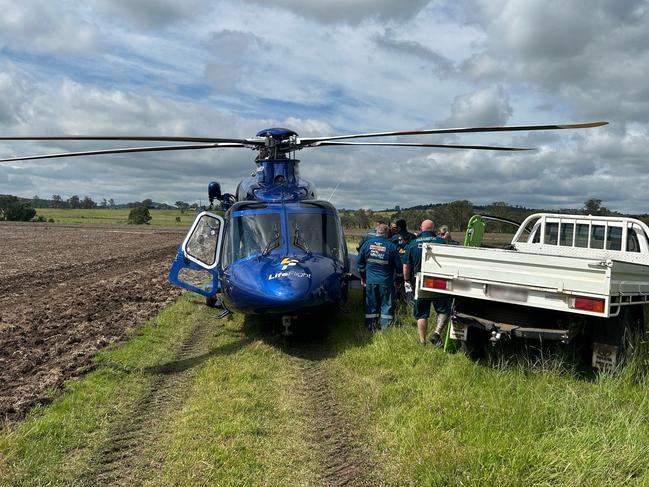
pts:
[285, 271]
[288, 262]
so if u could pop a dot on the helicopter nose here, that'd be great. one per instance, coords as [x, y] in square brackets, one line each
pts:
[279, 285]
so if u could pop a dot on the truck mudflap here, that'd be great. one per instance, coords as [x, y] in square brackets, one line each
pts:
[461, 322]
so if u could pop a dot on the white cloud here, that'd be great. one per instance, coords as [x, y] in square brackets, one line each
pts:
[231, 68]
[349, 11]
[41, 27]
[489, 106]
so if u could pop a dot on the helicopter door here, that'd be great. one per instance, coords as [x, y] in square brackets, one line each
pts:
[195, 266]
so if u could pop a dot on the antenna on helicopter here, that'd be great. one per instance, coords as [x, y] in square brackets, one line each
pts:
[333, 192]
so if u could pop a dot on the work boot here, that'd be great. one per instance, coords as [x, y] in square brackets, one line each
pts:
[436, 339]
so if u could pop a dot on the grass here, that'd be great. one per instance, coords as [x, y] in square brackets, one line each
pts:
[427, 417]
[236, 428]
[440, 419]
[165, 218]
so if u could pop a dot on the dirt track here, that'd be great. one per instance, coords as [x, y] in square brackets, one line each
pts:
[343, 459]
[67, 291]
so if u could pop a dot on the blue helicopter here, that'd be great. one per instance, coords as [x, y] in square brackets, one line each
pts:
[277, 250]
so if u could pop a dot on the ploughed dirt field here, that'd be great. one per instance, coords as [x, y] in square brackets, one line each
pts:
[67, 291]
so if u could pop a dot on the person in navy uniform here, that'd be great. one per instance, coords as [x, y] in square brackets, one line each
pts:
[411, 266]
[380, 269]
[401, 237]
[368, 235]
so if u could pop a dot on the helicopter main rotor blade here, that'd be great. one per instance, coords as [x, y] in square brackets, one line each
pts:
[146, 138]
[125, 150]
[415, 144]
[511, 128]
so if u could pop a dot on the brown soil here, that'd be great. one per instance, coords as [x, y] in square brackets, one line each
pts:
[65, 292]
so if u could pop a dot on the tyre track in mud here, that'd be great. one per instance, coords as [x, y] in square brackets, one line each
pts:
[123, 459]
[343, 459]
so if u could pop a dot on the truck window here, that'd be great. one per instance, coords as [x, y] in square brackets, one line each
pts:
[597, 236]
[632, 242]
[581, 237]
[567, 229]
[534, 235]
[551, 233]
[614, 238]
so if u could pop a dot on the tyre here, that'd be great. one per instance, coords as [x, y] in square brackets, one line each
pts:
[213, 301]
[475, 345]
[631, 334]
[622, 331]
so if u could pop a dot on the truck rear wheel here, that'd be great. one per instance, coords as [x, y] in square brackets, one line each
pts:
[616, 337]
[475, 345]
[631, 334]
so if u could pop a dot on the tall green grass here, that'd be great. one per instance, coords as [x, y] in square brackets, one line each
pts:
[523, 419]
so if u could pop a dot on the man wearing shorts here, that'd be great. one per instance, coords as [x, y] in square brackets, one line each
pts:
[411, 266]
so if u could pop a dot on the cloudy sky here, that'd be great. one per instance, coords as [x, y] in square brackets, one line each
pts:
[232, 68]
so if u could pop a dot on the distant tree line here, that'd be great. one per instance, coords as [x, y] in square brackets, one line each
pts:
[74, 202]
[16, 208]
[77, 202]
[456, 214]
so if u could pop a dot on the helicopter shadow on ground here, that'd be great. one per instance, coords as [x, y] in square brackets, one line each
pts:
[194, 356]
[315, 336]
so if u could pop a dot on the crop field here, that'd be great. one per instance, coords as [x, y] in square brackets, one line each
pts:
[166, 218]
[66, 291]
[110, 376]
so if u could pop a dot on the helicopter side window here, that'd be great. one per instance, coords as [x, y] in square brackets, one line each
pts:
[316, 232]
[250, 235]
[202, 244]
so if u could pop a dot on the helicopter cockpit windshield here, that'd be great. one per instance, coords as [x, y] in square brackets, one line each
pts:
[316, 232]
[250, 235]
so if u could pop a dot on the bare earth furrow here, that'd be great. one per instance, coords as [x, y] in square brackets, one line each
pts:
[66, 293]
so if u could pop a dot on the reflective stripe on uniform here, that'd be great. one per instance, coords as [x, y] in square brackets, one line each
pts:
[378, 261]
[386, 317]
[372, 315]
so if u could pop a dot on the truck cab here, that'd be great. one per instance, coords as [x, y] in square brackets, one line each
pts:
[587, 236]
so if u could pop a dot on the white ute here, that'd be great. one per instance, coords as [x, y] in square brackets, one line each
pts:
[563, 276]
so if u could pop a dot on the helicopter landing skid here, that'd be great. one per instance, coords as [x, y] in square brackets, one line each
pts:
[225, 312]
[286, 323]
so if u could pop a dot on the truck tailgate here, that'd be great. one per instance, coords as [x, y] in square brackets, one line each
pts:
[543, 281]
